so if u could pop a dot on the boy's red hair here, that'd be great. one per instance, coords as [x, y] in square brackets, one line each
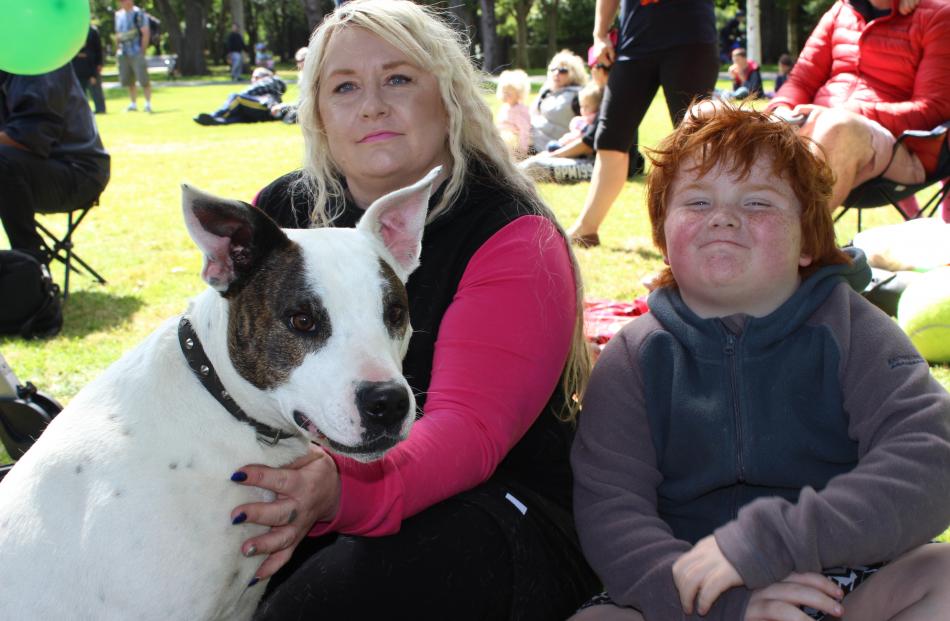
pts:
[715, 132]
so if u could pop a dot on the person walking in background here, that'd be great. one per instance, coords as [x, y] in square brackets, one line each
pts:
[88, 67]
[51, 157]
[235, 49]
[131, 36]
[668, 43]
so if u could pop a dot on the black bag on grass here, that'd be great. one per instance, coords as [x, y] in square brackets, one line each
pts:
[29, 299]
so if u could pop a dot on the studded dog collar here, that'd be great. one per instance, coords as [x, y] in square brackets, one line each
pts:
[204, 371]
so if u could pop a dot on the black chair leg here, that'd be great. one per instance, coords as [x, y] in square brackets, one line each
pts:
[61, 249]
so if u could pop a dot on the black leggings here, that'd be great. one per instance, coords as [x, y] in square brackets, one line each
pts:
[684, 72]
[452, 561]
[32, 184]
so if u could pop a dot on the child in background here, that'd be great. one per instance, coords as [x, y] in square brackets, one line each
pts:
[763, 424]
[589, 98]
[785, 64]
[514, 117]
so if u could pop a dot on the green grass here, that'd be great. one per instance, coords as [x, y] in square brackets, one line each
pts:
[137, 240]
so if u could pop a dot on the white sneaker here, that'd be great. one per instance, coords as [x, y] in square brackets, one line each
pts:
[132, 107]
[148, 107]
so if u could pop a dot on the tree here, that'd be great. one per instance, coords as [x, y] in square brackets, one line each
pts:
[171, 25]
[549, 8]
[491, 55]
[522, 8]
[237, 14]
[191, 56]
[314, 12]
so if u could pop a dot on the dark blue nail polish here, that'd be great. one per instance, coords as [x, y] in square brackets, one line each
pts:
[239, 476]
[240, 517]
[254, 581]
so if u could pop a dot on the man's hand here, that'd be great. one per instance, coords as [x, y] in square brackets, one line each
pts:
[308, 491]
[781, 601]
[702, 575]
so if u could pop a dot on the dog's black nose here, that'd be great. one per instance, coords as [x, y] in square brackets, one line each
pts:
[383, 404]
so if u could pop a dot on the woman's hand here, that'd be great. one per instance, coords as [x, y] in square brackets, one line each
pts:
[308, 491]
[604, 50]
[702, 575]
[782, 601]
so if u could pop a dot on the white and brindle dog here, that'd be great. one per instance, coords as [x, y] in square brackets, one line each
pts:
[121, 510]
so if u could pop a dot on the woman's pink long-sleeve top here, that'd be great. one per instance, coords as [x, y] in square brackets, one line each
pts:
[499, 355]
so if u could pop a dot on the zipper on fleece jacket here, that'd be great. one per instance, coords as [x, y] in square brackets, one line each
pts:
[730, 351]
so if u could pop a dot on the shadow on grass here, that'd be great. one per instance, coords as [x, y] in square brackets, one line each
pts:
[86, 312]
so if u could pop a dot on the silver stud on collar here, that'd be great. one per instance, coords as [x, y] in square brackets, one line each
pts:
[204, 369]
[225, 395]
[189, 343]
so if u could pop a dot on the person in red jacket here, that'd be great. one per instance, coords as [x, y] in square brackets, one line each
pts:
[870, 70]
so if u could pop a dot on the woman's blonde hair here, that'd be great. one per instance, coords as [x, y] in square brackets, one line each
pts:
[432, 44]
[513, 80]
[576, 69]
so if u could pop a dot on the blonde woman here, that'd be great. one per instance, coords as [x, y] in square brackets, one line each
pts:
[557, 101]
[471, 516]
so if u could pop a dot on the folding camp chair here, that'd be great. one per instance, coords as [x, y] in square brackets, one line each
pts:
[880, 192]
[61, 248]
[24, 414]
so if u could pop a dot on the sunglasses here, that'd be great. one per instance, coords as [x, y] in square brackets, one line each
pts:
[601, 66]
[561, 70]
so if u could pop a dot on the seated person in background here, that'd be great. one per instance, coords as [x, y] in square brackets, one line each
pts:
[867, 73]
[514, 119]
[287, 112]
[51, 157]
[763, 424]
[557, 102]
[785, 64]
[262, 57]
[252, 105]
[589, 98]
[746, 77]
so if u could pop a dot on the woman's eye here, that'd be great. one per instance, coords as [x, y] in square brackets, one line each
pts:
[399, 79]
[758, 204]
[345, 87]
[302, 322]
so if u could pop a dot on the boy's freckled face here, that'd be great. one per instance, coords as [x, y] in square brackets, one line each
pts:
[734, 245]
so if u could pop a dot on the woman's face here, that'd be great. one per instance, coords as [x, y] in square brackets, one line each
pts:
[384, 119]
[560, 75]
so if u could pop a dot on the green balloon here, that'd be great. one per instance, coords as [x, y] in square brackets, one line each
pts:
[37, 36]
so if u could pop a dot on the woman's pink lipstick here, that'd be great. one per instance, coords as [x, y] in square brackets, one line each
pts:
[377, 136]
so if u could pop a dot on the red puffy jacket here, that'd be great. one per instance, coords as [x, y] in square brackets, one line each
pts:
[894, 69]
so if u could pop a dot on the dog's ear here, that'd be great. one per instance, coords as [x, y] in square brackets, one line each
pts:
[233, 235]
[398, 219]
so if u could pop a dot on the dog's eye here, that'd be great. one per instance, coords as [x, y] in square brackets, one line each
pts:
[395, 314]
[302, 322]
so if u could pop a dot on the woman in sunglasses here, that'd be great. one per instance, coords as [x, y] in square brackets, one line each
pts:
[557, 102]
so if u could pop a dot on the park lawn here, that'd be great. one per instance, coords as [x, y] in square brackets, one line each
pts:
[137, 240]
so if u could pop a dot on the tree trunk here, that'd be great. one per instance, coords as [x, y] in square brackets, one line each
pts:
[490, 51]
[192, 58]
[793, 35]
[753, 31]
[172, 25]
[314, 11]
[522, 8]
[462, 19]
[237, 14]
[550, 15]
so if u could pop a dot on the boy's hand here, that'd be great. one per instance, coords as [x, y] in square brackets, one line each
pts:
[782, 601]
[702, 575]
